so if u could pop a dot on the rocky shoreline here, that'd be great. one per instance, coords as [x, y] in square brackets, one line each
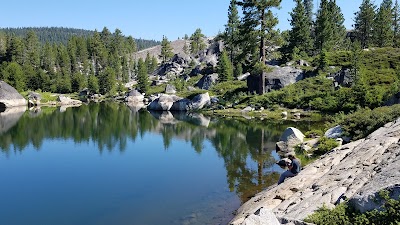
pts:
[357, 171]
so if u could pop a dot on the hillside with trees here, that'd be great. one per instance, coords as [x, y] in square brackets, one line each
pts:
[61, 35]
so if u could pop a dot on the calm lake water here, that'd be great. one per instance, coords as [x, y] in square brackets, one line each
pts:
[109, 164]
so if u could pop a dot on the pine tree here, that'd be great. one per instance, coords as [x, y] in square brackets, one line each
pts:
[396, 24]
[185, 48]
[142, 77]
[166, 50]
[93, 84]
[364, 22]
[232, 31]
[154, 63]
[147, 62]
[309, 6]
[197, 44]
[329, 29]
[48, 58]
[258, 15]
[107, 80]
[383, 32]
[225, 70]
[13, 75]
[300, 34]
[15, 50]
[31, 51]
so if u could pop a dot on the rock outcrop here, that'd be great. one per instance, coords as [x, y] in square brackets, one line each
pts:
[207, 81]
[9, 97]
[174, 103]
[357, 170]
[63, 100]
[290, 138]
[279, 77]
[134, 96]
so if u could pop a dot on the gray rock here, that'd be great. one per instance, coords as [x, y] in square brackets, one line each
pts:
[262, 216]
[214, 100]
[290, 138]
[280, 77]
[134, 96]
[200, 101]
[64, 101]
[207, 81]
[170, 89]
[163, 103]
[336, 132]
[9, 97]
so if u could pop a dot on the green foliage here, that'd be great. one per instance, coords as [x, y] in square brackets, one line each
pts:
[224, 68]
[364, 22]
[383, 25]
[93, 84]
[364, 121]
[325, 145]
[300, 41]
[61, 35]
[166, 49]
[343, 214]
[142, 77]
[196, 42]
[313, 133]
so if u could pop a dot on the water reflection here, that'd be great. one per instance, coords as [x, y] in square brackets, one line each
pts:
[246, 146]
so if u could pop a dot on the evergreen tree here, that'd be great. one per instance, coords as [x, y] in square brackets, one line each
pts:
[93, 84]
[72, 52]
[31, 51]
[383, 32]
[154, 63]
[396, 24]
[48, 58]
[15, 50]
[166, 50]
[13, 75]
[107, 80]
[78, 82]
[225, 70]
[364, 22]
[232, 31]
[299, 35]
[257, 15]
[131, 45]
[309, 6]
[3, 45]
[142, 77]
[106, 38]
[147, 62]
[197, 44]
[329, 29]
[185, 48]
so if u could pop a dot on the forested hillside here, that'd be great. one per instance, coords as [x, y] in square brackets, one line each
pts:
[100, 62]
[63, 34]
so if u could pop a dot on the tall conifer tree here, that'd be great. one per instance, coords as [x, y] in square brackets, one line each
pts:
[166, 50]
[232, 31]
[383, 29]
[300, 34]
[364, 22]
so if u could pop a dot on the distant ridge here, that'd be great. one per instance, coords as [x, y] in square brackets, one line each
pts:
[63, 34]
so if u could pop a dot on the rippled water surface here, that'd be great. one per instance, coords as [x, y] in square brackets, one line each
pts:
[110, 164]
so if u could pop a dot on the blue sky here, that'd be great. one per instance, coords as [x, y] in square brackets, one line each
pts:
[148, 19]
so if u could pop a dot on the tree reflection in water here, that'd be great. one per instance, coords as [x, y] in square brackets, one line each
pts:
[240, 142]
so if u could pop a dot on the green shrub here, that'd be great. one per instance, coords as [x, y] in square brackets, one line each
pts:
[365, 121]
[344, 214]
[325, 145]
[313, 133]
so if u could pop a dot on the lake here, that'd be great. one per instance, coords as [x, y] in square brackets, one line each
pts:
[108, 163]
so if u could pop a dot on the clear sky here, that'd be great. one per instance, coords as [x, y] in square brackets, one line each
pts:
[148, 19]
